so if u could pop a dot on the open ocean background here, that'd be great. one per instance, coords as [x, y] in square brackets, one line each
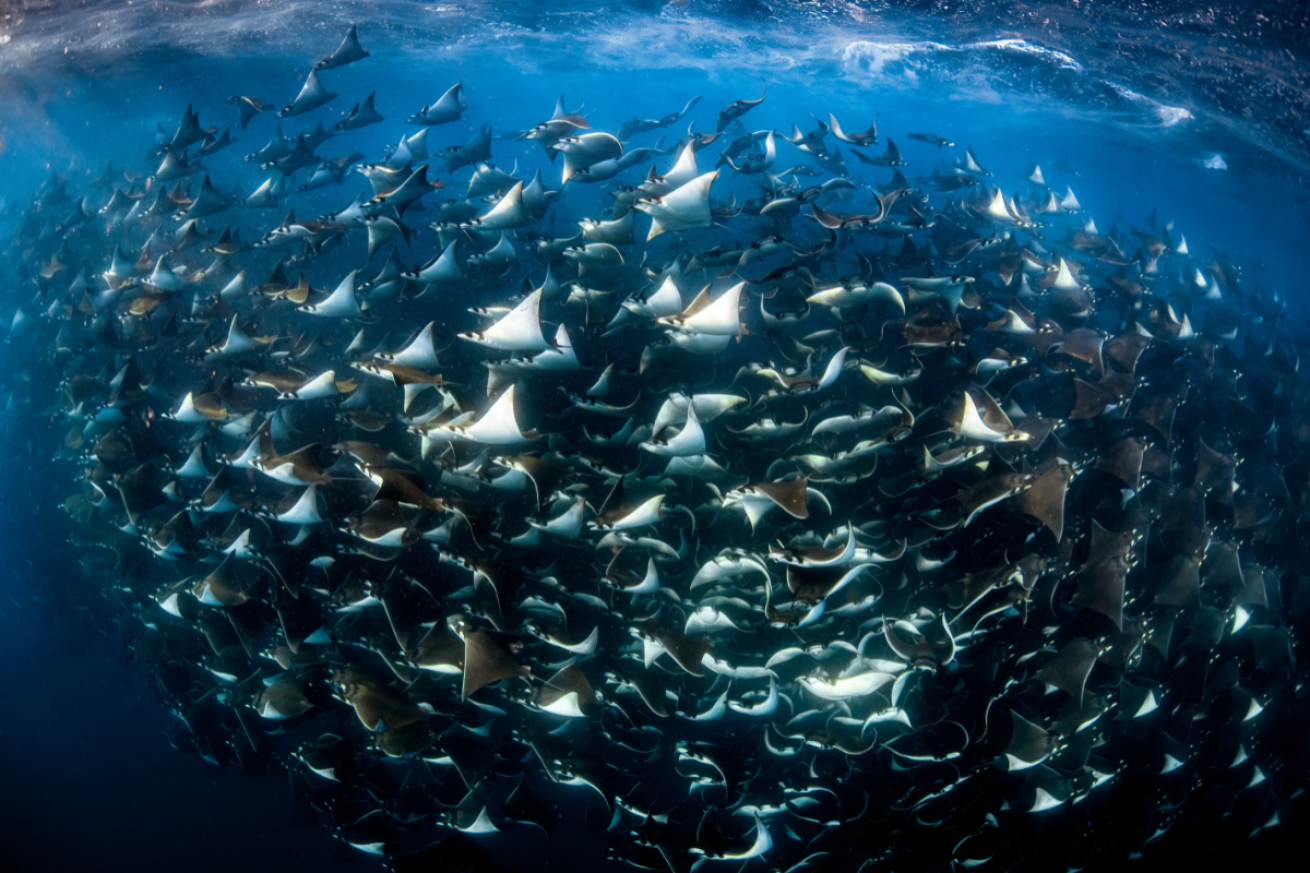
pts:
[1137, 97]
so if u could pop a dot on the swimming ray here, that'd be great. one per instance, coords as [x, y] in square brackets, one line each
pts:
[347, 53]
[312, 95]
[684, 208]
[486, 661]
[519, 330]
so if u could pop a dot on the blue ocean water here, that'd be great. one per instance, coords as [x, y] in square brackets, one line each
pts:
[86, 732]
[85, 88]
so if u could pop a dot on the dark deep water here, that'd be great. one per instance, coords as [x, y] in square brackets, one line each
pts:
[90, 778]
[1135, 100]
